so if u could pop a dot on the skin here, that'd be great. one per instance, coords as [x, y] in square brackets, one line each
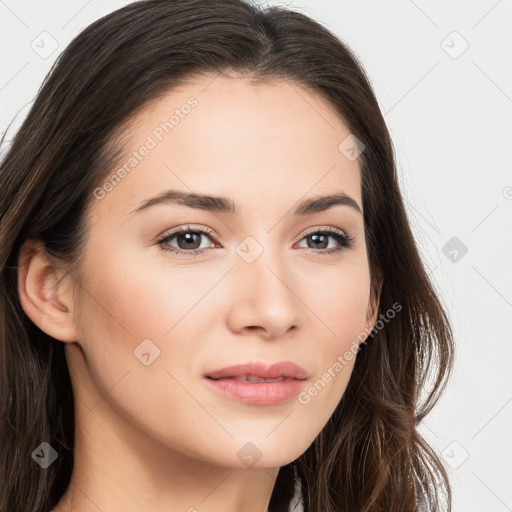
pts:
[156, 437]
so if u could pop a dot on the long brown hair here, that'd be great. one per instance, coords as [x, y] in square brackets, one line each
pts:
[370, 456]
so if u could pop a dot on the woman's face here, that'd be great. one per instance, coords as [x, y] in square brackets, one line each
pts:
[263, 283]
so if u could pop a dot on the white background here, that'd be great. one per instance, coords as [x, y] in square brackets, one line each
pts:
[450, 118]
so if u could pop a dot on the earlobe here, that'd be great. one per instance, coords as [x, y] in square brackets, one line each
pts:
[45, 292]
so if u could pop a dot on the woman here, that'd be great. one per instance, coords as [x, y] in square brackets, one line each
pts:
[211, 295]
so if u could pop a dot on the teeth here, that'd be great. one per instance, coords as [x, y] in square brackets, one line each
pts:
[254, 379]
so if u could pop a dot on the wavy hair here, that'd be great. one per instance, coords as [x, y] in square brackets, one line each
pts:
[370, 456]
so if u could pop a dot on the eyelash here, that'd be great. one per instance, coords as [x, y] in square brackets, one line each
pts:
[346, 242]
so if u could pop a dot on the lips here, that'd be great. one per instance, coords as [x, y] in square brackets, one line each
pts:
[253, 378]
[257, 383]
[260, 372]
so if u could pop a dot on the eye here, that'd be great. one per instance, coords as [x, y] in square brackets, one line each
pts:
[188, 240]
[321, 237]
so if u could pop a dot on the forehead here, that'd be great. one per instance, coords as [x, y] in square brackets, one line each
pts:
[232, 137]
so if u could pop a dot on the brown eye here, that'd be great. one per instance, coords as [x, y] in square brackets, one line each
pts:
[188, 241]
[319, 240]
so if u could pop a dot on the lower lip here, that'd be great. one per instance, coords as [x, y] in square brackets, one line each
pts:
[257, 393]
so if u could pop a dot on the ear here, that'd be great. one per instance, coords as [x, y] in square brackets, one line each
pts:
[45, 292]
[373, 307]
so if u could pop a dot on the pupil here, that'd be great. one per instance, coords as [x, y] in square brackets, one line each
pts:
[315, 237]
[187, 236]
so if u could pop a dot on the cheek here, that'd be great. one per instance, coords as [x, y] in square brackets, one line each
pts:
[133, 300]
[340, 302]
[136, 313]
[123, 324]
[343, 308]
[339, 298]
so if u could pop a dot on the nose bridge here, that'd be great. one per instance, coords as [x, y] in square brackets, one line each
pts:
[265, 295]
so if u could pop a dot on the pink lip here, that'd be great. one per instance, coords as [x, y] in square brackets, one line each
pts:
[257, 369]
[259, 393]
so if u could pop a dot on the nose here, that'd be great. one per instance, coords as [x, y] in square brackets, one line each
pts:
[264, 297]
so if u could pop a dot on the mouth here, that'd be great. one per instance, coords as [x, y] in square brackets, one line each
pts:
[251, 378]
[252, 371]
[258, 384]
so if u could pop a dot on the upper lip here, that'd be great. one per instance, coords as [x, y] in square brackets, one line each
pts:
[286, 369]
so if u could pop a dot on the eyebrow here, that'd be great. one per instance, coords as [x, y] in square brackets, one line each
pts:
[227, 206]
